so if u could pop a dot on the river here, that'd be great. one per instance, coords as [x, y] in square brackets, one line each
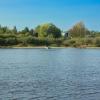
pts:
[53, 74]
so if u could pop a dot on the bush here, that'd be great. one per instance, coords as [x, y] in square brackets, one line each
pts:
[66, 43]
[88, 41]
[2, 41]
[10, 41]
[72, 41]
[25, 40]
[97, 42]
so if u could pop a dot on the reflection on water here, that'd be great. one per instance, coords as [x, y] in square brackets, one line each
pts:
[55, 74]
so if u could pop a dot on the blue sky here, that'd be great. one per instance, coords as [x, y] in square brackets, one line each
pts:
[63, 13]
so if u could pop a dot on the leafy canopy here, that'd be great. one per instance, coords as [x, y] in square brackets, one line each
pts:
[48, 30]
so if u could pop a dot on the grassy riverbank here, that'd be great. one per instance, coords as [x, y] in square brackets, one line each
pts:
[57, 43]
[49, 35]
[45, 47]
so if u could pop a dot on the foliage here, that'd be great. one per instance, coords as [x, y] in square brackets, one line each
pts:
[49, 35]
[48, 30]
[97, 42]
[79, 30]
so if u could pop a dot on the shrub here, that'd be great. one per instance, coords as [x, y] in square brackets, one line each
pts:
[2, 41]
[88, 41]
[97, 42]
[10, 41]
[66, 43]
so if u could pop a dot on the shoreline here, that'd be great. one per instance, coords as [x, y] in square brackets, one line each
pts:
[44, 47]
[35, 47]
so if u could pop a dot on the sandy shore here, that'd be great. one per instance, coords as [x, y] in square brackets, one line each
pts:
[93, 47]
[38, 47]
[44, 47]
[29, 47]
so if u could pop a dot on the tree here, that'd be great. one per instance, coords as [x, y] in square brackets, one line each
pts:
[4, 30]
[14, 30]
[25, 30]
[33, 33]
[48, 30]
[78, 30]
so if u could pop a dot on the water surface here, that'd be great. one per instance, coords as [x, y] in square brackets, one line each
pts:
[54, 74]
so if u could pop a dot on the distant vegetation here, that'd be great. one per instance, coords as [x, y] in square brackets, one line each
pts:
[49, 35]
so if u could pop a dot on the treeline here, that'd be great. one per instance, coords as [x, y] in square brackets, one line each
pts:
[49, 35]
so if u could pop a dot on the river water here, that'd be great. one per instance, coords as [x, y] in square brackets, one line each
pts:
[53, 74]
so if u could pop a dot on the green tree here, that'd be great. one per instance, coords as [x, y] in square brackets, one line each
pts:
[25, 30]
[48, 30]
[4, 30]
[14, 30]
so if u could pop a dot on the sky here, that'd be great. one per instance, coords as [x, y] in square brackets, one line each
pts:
[62, 13]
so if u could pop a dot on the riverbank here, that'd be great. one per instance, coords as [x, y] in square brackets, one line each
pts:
[34, 47]
[43, 47]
